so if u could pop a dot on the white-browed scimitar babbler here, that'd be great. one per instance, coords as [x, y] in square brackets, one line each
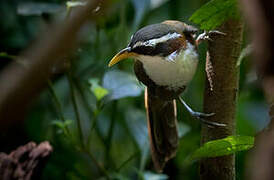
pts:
[166, 59]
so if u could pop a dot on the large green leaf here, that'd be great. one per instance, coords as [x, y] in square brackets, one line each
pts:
[214, 13]
[140, 7]
[222, 147]
[121, 84]
[136, 122]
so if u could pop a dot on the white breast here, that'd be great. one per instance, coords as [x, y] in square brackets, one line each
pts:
[175, 71]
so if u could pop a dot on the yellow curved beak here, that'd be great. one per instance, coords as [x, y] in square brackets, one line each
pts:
[123, 54]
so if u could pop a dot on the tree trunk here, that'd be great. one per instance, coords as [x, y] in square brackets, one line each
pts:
[221, 96]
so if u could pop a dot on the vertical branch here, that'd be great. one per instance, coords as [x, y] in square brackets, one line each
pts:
[222, 97]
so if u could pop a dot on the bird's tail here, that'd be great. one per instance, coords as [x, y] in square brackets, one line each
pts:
[162, 128]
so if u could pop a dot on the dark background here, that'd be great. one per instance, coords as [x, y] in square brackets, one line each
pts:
[118, 140]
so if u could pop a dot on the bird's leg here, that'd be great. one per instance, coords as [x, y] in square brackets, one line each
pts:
[205, 36]
[201, 116]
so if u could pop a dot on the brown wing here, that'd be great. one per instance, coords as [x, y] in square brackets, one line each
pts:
[162, 128]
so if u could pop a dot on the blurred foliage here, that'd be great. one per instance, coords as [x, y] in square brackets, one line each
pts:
[110, 104]
[245, 52]
[214, 13]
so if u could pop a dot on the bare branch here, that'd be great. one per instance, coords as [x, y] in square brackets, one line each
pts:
[21, 83]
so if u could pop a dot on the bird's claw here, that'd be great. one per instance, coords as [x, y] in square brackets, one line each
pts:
[215, 32]
[200, 116]
[206, 35]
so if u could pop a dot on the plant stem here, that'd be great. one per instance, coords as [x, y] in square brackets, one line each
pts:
[110, 132]
[92, 114]
[99, 166]
[56, 100]
[75, 107]
[127, 161]
[57, 104]
[221, 99]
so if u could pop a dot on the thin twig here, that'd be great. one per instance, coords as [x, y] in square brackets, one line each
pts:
[127, 161]
[21, 84]
[98, 165]
[110, 131]
[91, 113]
[86, 105]
[75, 107]
[57, 104]
[56, 100]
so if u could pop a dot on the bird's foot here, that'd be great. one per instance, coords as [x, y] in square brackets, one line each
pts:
[206, 36]
[201, 116]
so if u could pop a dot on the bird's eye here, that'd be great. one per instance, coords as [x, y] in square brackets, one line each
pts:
[147, 43]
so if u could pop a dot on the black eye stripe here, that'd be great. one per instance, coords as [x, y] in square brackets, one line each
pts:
[160, 49]
[145, 50]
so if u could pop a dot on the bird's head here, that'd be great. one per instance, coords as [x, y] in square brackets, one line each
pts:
[157, 40]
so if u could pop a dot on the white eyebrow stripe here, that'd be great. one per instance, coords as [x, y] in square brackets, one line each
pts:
[154, 42]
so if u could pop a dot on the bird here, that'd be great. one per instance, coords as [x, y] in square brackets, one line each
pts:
[165, 60]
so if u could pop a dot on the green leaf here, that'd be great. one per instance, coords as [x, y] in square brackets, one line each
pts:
[3, 54]
[6, 55]
[140, 7]
[97, 90]
[183, 129]
[121, 85]
[136, 122]
[222, 147]
[214, 13]
[61, 124]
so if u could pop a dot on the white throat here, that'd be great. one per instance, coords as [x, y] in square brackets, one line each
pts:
[174, 71]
